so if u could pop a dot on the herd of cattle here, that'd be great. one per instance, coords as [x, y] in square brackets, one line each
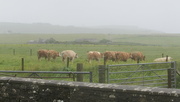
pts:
[92, 55]
[96, 55]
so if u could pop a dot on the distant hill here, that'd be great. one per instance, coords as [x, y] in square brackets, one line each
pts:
[46, 28]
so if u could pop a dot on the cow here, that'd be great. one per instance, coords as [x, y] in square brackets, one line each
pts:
[110, 55]
[68, 54]
[42, 53]
[137, 56]
[122, 56]
[94, 55]
[163, 59]
[52, 54]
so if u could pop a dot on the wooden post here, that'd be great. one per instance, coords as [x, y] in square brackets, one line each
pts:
[166, 58]
[90, 77]
[162, 54]
[102, 70]
[79, 69]
[30, 52]
[22, 64]
[138, 60]
[105, 60]
[14, 51]
[67, 62]
[169, 78]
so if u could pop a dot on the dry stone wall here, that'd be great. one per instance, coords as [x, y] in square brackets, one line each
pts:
[37, 90]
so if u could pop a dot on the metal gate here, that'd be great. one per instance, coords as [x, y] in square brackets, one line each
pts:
[143, 74]
[75, 76]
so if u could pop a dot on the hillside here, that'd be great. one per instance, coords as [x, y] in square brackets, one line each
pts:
[46, 28]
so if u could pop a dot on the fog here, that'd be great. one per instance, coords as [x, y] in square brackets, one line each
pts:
[159, 15]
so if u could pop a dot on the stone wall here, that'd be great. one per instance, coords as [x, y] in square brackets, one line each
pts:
[38, 90]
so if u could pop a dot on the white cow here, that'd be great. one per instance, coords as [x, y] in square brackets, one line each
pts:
[163, 59]
[68, 54]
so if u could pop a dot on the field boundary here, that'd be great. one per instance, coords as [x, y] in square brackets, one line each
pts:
[143, 74]
[75, 76]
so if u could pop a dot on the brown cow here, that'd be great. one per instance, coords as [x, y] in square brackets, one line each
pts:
[137, 56]
[68, 54]
[94, 55]
[53, 54]
[122, 56]
[42, 53]
[110, 55]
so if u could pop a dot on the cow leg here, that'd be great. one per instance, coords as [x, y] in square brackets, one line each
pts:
[45, 58]
[63, 59]
[54, 58]
[49, 58]
[70, 59]
[39, 57]
[89, 60]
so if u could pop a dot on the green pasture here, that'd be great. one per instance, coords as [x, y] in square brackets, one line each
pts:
[13, 48]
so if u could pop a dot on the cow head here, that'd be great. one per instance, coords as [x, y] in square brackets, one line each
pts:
[102, 55]
[130, 55]
[76, 56]
[59, 54]
[144, 58]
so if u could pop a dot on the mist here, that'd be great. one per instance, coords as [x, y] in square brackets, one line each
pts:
[156, 15]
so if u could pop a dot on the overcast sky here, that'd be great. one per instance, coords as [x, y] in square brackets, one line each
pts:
[161, 15]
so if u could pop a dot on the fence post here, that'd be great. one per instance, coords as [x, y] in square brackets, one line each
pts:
[102, 70]
[105, 60]
[138, 60]
[90, 77]
[14, 51]
[22, 61]
[169, 78]
[30, 52]
[67, 62]
[79, 69]
[166, 58]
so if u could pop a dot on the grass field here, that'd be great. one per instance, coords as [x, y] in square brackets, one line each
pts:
[151, 45]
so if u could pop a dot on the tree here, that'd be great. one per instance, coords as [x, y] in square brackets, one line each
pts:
[50, 41]
[104, 41]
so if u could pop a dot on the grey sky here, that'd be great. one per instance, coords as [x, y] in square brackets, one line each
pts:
[161, 15]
